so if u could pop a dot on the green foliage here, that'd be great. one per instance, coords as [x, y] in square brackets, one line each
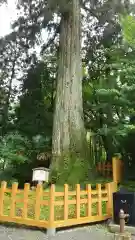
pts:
[12, 149]
[13, 154]
[34, 115]
[128, 26]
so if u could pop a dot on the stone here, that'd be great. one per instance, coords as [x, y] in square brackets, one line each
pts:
[51, 232]
[122, 236]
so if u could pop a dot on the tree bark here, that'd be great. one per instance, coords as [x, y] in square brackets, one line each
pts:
[69, 147]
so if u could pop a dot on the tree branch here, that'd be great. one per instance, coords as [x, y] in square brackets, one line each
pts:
[51, 40]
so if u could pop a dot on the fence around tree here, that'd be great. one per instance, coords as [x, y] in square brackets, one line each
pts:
[60, 207]
[56, 208]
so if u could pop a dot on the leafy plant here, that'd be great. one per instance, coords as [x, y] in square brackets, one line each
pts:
[13, 149]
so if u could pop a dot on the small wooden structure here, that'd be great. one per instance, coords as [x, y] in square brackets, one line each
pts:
[40, 174]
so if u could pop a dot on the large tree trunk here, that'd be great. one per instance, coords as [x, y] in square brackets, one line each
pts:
[69, 147]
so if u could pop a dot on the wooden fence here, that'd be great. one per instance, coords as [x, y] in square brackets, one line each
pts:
[105, 169]
[52, 208]
[112, 170]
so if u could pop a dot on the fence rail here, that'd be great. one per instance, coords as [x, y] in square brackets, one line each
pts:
[53, 208]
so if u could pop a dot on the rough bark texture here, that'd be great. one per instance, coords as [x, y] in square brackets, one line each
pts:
[70, 161]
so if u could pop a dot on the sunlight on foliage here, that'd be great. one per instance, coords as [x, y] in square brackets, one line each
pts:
[128, 26]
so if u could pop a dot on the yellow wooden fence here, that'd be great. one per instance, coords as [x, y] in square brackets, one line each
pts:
[54, 209]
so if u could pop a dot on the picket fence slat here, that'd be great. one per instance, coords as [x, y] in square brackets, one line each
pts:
[66, 202]
[109, 202]
[99, 199]
[2, 191]
[13, 195]
[51, 205]
[25, 200]
[78, 201]
[89, 200]
[39, 190]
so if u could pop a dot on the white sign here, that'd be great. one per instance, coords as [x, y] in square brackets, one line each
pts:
[40, 175]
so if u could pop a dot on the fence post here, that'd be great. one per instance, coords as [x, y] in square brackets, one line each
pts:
[2, 191]
[99, 199]
[109, 196]
[38, 200]
[65, 202]
[114, 168]
[89, 199]
[51, 229]
[77, 201]
[13, 200]
[117, 169]
[25, 200]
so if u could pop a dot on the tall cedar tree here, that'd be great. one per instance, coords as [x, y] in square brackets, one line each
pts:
[69, 148]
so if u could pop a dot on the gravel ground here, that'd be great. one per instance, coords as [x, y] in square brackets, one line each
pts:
[84, 233]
